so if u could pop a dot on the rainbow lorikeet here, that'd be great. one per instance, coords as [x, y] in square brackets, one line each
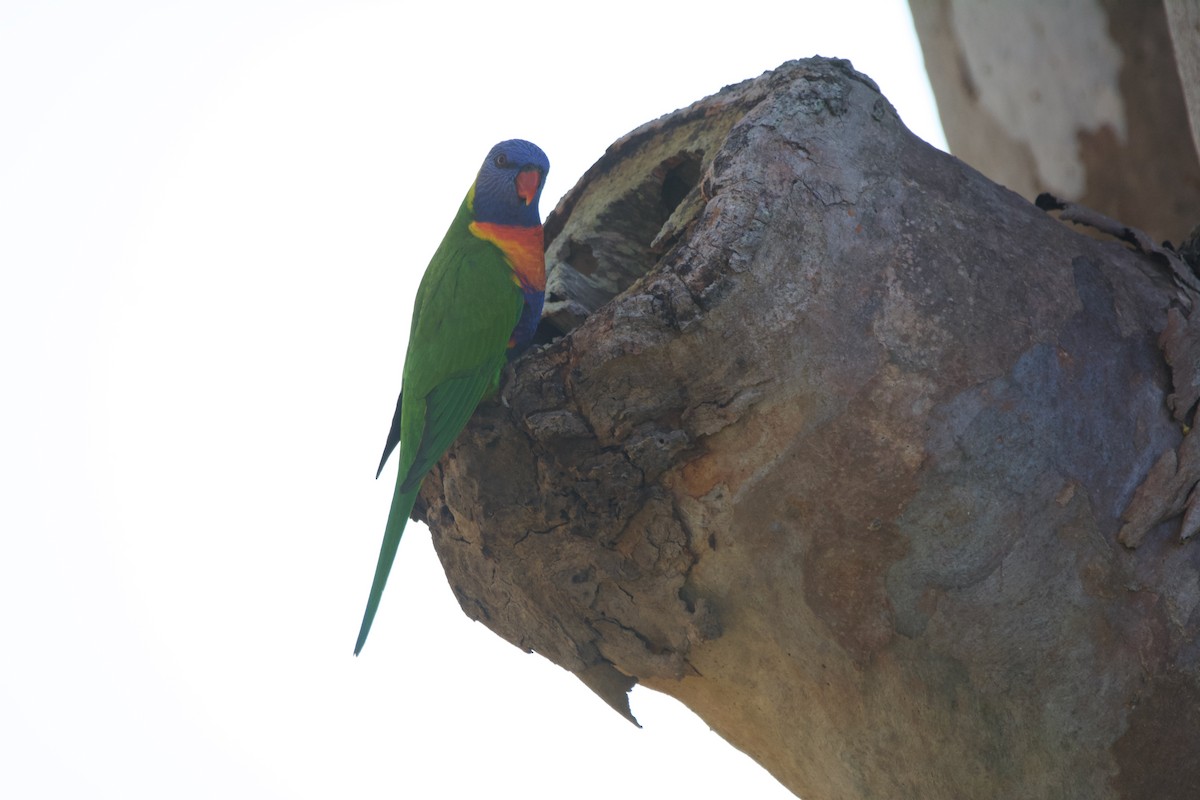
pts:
[477, 307]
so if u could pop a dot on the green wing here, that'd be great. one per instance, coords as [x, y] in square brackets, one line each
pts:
[448, 408]
[465, 312]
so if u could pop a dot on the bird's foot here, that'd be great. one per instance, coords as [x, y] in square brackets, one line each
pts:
[506, 377]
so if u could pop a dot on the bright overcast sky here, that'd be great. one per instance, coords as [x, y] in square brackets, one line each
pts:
[213, 219]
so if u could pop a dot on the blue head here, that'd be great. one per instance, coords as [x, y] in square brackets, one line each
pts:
[510, 183]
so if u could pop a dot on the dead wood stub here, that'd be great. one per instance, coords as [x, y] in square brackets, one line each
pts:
[837, 454]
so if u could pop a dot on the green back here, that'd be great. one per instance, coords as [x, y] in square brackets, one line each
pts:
[466, 308]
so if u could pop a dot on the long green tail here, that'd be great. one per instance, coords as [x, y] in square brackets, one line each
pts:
[402, 503]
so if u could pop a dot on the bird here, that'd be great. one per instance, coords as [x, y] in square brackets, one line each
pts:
[477, 307]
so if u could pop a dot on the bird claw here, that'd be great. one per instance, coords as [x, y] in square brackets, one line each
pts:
[506, 377]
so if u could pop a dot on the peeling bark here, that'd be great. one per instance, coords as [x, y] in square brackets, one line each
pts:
[834, 447]
[1081, 98]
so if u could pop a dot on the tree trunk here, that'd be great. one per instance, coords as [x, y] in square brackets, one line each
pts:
[1183, 19]
[1081, 98]
[835, 449]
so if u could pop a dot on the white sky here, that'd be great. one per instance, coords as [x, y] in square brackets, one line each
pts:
[213, 218]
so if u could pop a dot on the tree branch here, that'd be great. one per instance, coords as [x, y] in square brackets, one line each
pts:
[835, 448]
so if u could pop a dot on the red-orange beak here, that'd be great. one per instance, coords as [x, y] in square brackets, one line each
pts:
[528, 182]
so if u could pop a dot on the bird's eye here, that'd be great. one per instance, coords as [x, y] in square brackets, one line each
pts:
[501, 160]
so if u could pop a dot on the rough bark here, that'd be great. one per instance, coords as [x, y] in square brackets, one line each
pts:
[836, 448]
[1082, 98]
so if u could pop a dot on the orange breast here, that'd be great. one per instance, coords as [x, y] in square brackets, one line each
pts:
[524, 249]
